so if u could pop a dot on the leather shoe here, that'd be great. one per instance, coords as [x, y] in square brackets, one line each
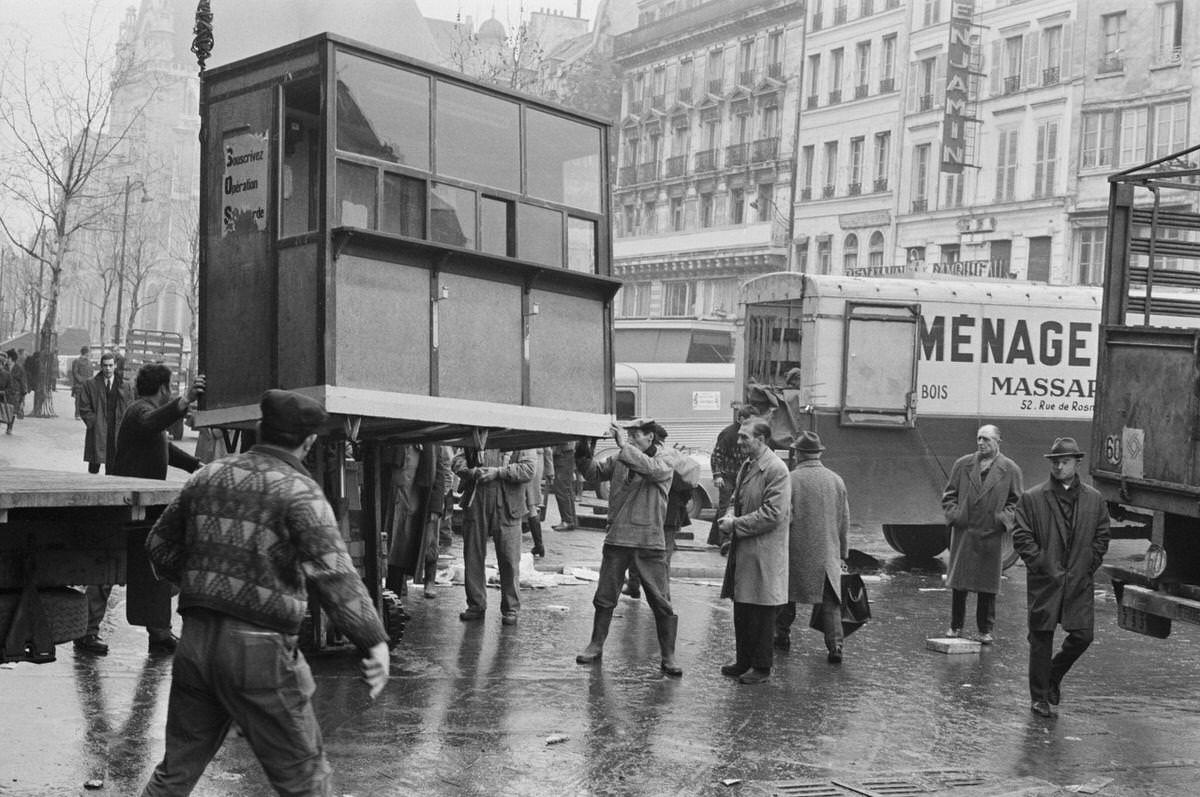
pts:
[163, 646]
[986, 639]
[835, 655]
[671, 670]
[733, 670]
[509, 618]
[470, 615]
[783, 642]
[1055, 692]
[430, 591]
[1041, 708]
[91, 644]
[563, 527]
[633, 592]
[754, 676]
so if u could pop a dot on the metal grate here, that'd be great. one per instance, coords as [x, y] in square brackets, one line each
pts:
[812, 789]
[926, 781]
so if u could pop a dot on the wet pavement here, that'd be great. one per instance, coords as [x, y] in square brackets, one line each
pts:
[475, 709]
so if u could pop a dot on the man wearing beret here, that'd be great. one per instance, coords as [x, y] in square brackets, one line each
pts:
[1061, 533]
[245, 540]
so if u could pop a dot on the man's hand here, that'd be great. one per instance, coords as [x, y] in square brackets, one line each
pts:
[375, 668]
[485, 475]
[197, 389]
[618, 434]
[725, 525]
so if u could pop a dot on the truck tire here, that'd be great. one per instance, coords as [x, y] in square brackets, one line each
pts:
[65, 609]
[916, 541]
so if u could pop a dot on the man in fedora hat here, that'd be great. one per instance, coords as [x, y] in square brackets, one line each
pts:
[817, 545]
[980, 497]
[1061, 533]
[246, 539]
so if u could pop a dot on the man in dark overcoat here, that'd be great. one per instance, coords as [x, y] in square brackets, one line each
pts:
[101, 404]
[817, 545]
[1061, 533]
[979, 501]
[756, 573]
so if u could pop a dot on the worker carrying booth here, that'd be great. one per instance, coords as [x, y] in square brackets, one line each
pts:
[425, 255]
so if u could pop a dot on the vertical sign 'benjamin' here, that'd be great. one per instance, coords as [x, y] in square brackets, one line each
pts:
[958, 83]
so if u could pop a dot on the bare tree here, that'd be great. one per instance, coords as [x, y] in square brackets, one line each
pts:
[138, 278]
[60, 135]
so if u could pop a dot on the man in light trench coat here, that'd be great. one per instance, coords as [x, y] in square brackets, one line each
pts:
[818, 545]
[1061, 533]
[756, 572]
[979, 501]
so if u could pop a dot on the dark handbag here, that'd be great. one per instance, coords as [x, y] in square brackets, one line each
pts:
[856, 608]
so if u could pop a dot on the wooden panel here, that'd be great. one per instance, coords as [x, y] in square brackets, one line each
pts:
[238, 307]
[566, 353]
[300, 349]
[481, 340]
[382, 339]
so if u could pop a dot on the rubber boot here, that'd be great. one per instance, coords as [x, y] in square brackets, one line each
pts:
[600, 623]
[667, 628]
[633, 584]
[535, 530]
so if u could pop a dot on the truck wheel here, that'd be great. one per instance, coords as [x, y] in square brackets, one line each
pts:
[916, 541]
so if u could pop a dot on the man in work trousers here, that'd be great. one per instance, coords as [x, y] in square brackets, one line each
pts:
[257, 519]
[564, 485]
[1061, 533]
[639, 475]
[493, 507]
[756, 573]
[817, 545]
[979, 500]
[725, 460]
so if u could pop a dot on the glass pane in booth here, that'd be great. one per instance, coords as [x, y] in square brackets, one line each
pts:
[496, 226]
[355, 205]
[581, 245]
[382, 111]
[540, 235]
[478, 137]
[562, 160]
[403, 209]
[452, 216]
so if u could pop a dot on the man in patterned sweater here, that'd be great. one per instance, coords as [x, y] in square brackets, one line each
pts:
[244, 539]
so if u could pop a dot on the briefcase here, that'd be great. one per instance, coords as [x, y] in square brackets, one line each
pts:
[856, 608]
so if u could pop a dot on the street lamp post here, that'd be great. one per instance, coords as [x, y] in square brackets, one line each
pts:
[129, 186]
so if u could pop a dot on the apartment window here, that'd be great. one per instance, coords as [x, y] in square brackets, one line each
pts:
[1013, 60]
[1046, 161]
[737, 206]
[746, 63]
[631, 151]
[883, 154]
[679, 298]
[1170, 128]
[770, 121]
[680, 140]
[1091, 256]
[677, 213]
[802, 257]
[629, 220]
[814, 77]
[1168, 32]
[824, 255]
[765, 201]
[856, 164]
[720, 297]
[712, 133]
[635, 300]
[838, 62]
[831, 168]
[849, 253]
[931, 12]
[1114, 31]
[1133, 136]
[1051, 55]
[875, 249]
[953, 185]
[716, 71]
[639, 92]
[687, 77]
[817, 14]
[658, 87]
[650, 218]
[807, 156]
[950, 253]
[920, 178]
[887, 64]
[1096, 149]
[926, 79]
[862, 68]
[775, 54]
[1006, 166]
[706, 210]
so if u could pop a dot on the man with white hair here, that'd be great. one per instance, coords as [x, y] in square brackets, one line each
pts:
[979, 500]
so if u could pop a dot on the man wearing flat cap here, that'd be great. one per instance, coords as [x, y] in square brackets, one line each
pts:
[818, 544]
[1061, 533]
[640, 477]
[244, 541]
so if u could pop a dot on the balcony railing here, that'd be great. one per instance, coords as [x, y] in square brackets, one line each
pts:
[700, 16]
[1166, 56]
[1111, 63]
[887, 84]
[880, 184]
[1050, 76]
[647, 172]
[813, 101]
[737, 155]
[626, 175]
[920, 205]
[866, 8]
[716, 86]
[775, 70]
[925, 102]
[854, 189]
[827, 191]
[839, 15]
[766, 149]
[746, 78]
[677, 166]
[835, 96]
[861, 91]
[817, 22]
[706, 160]
[806, 193]
[684, 95]
[1012, 84]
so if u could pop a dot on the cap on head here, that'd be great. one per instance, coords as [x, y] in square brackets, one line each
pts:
[1064, 447]
[291, 413]
[808, 443]
[641, 424]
